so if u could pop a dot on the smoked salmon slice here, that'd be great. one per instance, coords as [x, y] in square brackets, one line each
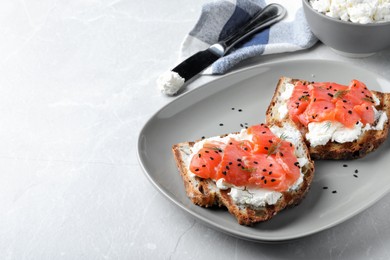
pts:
[322, 101]
[263, 160]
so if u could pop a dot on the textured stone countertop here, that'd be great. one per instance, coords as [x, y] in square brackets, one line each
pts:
[77, 84]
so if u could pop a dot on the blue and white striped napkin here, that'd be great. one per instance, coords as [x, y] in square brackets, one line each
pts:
[218, 18]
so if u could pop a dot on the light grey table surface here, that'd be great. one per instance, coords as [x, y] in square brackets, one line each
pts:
[77, 83]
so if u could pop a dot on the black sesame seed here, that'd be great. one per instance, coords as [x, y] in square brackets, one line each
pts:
[240, 110]
[263, 132]
[349, 112]
[203, 137]
[270, 141]
[239, 164]
[290, 144]
[325, 188]
[345, 165]
[238, 160]
[197, 169]
[356, 176]
[269, 173]
[224, 172]
[220, 124]
[263, 178]
[325, 107]
[199, 155]
[266, 148]
[206, 151]
[241, 125]
[281, 154]
[356, 171]
[233, 108]
[264, 170]
[265, 181]
[211, 158]
[329, 94]
[230, 143]
[273, 180]
[204, 165]
[270, 165]
[335, 191]
[345, 101]
[366, 108]
[227, 167]
[255, 162]
[230, 163]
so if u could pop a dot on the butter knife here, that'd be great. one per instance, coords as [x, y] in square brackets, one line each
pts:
[171, 82]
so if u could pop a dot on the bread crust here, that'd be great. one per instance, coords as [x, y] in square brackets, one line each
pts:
[366, 143]
[204, 192]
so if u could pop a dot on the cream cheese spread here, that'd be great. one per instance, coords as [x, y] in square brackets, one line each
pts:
[170, 82]
[286, 94]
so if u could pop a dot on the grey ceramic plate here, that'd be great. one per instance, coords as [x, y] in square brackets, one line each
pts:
[221, 106]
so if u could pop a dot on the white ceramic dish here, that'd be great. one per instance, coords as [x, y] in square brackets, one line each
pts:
[221, 106]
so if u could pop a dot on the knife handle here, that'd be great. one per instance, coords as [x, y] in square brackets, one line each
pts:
[266, 17]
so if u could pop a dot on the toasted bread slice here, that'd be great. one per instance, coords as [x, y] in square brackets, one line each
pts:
[205, 193]
[367, 142]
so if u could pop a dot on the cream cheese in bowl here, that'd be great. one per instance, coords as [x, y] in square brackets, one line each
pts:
[356, 11]
[353, 28]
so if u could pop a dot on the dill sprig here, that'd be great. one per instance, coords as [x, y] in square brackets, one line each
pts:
[274, 148]
[327, 125]
[340, 93]
[249, 169]
[283, 136]
[304, 98]
[368, 99]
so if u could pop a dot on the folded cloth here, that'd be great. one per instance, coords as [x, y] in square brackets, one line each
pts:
[219, 18]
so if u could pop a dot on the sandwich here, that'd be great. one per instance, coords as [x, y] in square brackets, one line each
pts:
[337, 122]
[254, 173]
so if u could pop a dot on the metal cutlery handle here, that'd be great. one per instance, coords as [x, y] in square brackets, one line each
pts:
[269, 15]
